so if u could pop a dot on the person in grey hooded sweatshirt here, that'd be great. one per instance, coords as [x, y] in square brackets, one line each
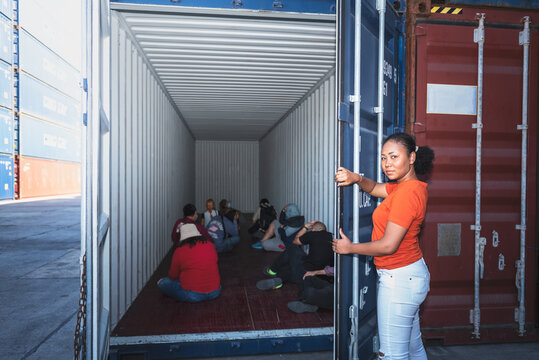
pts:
[282, 231]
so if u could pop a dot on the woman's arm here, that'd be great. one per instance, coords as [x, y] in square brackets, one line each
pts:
[345, 177]
[387, 245]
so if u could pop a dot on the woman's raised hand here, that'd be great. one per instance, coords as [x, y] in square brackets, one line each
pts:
[345, 177]
[343, 245]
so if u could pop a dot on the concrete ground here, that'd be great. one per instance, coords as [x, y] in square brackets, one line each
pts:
[39, 289]
[39, 278]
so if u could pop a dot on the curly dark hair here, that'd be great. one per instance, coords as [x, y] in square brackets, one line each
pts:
[424, 155]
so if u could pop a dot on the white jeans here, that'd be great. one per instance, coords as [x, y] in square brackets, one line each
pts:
[400, 292]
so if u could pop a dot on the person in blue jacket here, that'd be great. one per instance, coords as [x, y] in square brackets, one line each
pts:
[224, 230]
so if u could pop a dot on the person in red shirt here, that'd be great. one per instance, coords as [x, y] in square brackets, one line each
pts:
[194, 274]
[403, 276]
[190, 216]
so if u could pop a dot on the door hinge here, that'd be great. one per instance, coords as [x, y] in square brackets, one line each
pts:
[501, 262]
[495, 238]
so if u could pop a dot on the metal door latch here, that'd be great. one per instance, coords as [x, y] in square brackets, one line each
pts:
[362, 297]
[354, 98]
[368, 265]
[495, 240]
[501, 262]
[482, 243]
[478, 35]
[524, 35]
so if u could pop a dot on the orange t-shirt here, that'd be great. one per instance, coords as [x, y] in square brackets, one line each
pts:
[405, 205]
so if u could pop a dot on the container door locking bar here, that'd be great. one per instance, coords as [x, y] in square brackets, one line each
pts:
[524, 41]
[480, 242]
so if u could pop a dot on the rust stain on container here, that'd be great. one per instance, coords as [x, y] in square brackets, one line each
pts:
[447, 55]
[39, 177]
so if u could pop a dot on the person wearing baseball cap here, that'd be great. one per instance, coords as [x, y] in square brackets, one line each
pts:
[193, 275]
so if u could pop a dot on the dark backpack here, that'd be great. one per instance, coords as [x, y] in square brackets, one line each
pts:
[267, 215]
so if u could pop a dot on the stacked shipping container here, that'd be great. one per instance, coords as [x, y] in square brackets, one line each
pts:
[49, 100]
[40, 103]
[6, 103]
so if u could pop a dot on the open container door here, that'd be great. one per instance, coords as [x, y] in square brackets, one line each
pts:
[96, 172]
[368, 110]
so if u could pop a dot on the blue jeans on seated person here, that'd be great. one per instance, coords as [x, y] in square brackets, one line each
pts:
[226, 244]
[173, 289]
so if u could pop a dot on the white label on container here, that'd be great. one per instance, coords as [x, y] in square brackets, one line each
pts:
[451, 99]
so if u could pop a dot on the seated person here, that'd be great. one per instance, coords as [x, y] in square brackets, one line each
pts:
[281, 232]
[189, 217]
[210, 212]
[224, 205]
[224, 230]
[317, 292]
[263, 217]
[193, 275]
[293, 263]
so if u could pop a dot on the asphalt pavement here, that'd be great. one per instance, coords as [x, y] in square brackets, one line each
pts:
[39, 278]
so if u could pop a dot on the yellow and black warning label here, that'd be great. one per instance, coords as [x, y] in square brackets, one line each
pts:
[445, 10]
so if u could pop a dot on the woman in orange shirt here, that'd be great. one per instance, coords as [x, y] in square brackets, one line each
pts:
[403, 277]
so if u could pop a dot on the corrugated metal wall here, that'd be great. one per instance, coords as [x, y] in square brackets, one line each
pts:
[152, 166]
[297, 157]
[227, 170]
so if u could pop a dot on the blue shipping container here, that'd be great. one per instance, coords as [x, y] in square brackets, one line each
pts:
[42, 101]
[46, 140]
[6, 177]
[6, 7]
[6, 131]
[6, 36]
[38, 60]
[6, 94]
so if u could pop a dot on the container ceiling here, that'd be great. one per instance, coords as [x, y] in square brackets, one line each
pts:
[234, 77]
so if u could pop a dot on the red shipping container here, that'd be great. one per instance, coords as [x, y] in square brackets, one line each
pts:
[447, 55]
[39, 177]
